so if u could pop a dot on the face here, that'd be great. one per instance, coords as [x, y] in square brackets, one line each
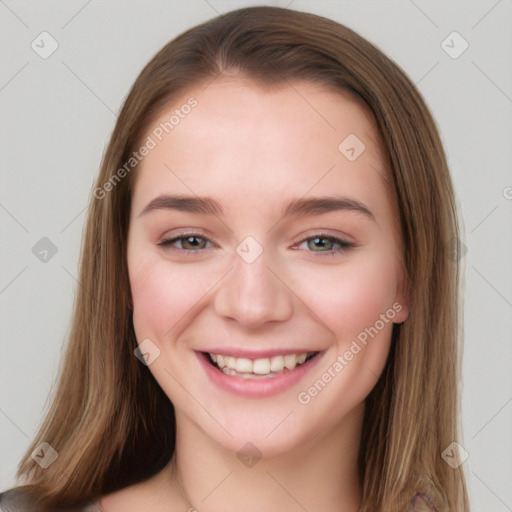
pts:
[263, 240]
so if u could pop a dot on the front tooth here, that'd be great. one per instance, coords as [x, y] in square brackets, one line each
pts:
[261, 366]
[290, 361]
[230, 362]
[244, 365]
[277, 363]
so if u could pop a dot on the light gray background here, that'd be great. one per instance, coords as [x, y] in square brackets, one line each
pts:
[56, 117]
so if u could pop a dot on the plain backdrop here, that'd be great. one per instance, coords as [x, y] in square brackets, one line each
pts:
[56, 116]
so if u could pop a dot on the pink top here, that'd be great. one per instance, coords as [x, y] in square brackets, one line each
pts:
[420, 502]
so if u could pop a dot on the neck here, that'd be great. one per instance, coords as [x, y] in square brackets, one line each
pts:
[321, 474]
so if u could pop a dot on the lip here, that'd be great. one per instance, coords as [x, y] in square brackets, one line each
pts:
[257, 353]
[256, 388]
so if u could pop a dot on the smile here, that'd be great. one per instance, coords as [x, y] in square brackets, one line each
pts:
[257, 377]
[267, 367]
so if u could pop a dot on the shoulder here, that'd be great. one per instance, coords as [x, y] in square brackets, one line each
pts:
[16, 500]
[134, 497]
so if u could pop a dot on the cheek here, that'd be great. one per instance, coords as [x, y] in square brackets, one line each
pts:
[351, 297]
[163, 296]
[355, 303]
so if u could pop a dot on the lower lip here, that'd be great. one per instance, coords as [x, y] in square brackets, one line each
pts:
[257, 388]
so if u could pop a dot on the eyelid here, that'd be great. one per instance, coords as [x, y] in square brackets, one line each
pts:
[167, 241]
[184, 232]
[324, 233]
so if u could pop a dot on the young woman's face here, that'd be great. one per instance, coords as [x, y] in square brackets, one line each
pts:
[261, 234]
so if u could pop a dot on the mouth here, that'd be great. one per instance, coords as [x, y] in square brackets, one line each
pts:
[261, 368]
[257, 374]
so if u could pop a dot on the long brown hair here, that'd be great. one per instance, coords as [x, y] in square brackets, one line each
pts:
[111, 423]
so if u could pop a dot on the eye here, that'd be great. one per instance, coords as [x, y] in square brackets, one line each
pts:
[186, 242]
[326, 244]
[193, 242]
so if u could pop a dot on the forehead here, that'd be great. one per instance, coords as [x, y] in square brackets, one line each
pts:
[241, 137]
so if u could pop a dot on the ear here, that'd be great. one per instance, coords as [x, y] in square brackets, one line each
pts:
[401, 304]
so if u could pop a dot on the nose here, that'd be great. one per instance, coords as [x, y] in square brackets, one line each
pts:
[253, 294]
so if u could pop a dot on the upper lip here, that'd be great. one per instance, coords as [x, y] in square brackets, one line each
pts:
[257, 353]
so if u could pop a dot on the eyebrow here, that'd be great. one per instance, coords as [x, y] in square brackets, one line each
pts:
[319, 205]
[296, 207]
[181, 203]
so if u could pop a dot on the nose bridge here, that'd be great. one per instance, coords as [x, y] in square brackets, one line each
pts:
[251, 293]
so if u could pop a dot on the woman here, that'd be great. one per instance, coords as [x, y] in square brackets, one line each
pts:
[267, 317]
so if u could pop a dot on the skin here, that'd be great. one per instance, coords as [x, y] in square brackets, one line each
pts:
[253, 150]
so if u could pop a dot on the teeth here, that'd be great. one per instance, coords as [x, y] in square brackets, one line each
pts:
[230, 362]
[290, 361]
[277, 363]
[259, 367]
[244, 365]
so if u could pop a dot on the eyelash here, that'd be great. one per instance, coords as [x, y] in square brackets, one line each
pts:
[344, 246]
